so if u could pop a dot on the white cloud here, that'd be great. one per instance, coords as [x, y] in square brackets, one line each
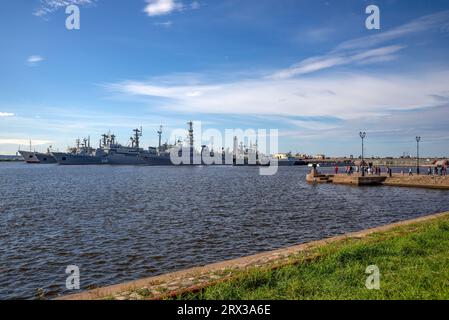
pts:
[24, 142]
[436, 22]
[6, 114]
[164, 7]
[361, 50]
[338, 59]
[50, 6]
[343, 95]
[34, 60]
[354, 97]
[313, 125]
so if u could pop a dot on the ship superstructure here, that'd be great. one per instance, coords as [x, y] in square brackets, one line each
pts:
[81, 154]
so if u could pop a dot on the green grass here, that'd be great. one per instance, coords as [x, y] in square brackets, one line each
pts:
[413, 262]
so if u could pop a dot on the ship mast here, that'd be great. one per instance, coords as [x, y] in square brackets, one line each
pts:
[160, 136]
[137, 135]
[105, 138]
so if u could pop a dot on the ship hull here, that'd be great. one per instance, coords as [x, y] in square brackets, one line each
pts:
[29, 157]
[76, 159]
[124, 159]
[45, 158]
[153, 160]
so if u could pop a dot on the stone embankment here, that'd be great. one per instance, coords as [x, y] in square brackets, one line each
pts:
[398, 180]
[195, 279]
[421, 181]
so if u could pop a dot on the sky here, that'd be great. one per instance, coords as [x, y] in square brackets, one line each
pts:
[310, 69]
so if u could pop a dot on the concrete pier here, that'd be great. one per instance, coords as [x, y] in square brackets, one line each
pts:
[357, 180]
[398, 180]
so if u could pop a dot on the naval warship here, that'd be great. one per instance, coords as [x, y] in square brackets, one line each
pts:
[45, 157]
[116, 154]
[81, 154]
[37, 157]
[113, 153]
[29, 156]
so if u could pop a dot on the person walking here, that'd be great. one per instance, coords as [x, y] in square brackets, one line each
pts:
[410, 172]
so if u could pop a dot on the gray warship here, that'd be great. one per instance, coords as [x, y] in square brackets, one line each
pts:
[113, 153]
[37, 157]
[47, 157]
[116, 154]
[29, 156]
[81, 154]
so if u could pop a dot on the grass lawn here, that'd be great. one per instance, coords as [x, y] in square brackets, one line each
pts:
[413, 261]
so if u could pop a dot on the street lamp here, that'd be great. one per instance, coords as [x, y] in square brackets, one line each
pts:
[362, 167]
[418, 139]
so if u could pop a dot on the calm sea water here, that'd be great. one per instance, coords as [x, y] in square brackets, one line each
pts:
[124, 223]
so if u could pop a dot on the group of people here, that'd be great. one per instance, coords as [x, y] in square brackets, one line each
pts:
[348, 170]
[376, 170]
[369, 170]
[437, 171]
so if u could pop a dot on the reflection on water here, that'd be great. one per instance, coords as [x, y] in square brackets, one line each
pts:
[124, 223]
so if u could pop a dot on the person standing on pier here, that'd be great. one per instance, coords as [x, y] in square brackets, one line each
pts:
[336, 169]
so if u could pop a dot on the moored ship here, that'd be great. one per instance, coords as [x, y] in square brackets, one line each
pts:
[82, 154]
[45, 158]
[29, 156]
[37, 157]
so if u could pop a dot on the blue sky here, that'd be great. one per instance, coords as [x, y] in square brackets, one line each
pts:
[308, 68]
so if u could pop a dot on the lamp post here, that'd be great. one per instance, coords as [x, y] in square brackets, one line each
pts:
[418, 139]
[362, 167]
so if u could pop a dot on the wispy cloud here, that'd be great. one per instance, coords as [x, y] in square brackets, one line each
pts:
[350, 95]
[165, 24]
[50, 6]
[34, 60]
[363, 50]
[6, 114]
[346, 95]
[433, 22]
[164, 7]
[316, 34]
[24, 142]
[338, 59]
